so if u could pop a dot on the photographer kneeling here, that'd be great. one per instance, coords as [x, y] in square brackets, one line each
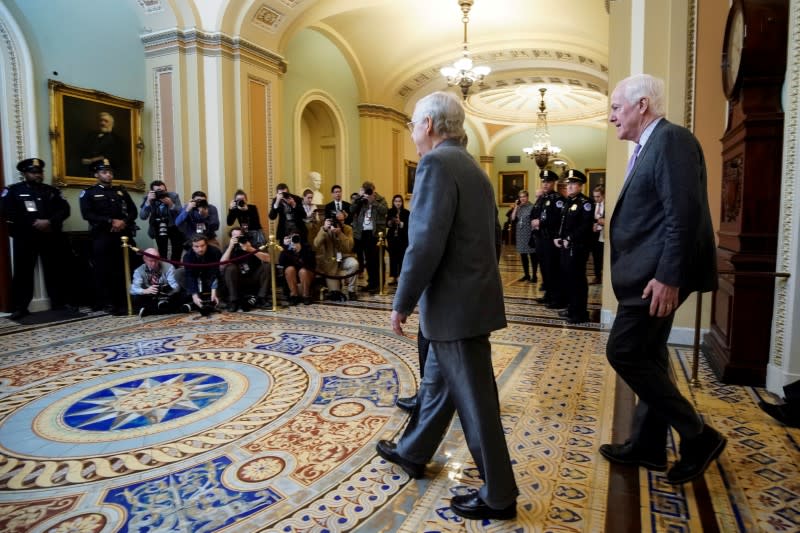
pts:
[162, 208]
[335, 257]
[154, 287]
[246, 280]
[201, 282]
[298, 262]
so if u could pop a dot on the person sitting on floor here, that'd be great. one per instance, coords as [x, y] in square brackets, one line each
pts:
[246, 279]
[298, 262]
[154, 288]
[335, 257]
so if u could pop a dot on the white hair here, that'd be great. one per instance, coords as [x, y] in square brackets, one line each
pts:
[641, 86]
[446, 113]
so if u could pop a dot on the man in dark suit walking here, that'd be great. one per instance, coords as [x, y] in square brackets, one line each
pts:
[662, 249]
[450, 269]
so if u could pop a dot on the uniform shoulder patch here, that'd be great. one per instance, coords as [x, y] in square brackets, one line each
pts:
[587, 207]
[5, 192]
[560, 204]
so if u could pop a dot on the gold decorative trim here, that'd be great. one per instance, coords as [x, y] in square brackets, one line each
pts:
[786, 254]
[211, 44]
[379, 111]
[15, 96]
[691, 65]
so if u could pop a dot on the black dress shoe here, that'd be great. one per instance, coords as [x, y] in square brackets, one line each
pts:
[407, 404]
[525, 278]
[696, 455]
[541, 300]
[19, 313]
[578, 319]
[563, 313]
[471, 506]
[388, 450]
[788, 413]
[556, 306]
[628, 454]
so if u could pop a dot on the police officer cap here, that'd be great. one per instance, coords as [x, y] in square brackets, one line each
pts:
[31, 165]
[575, 176]
[103, 164]
[548, 175]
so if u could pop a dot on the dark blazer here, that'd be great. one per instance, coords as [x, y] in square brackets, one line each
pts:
[330, 211]
[661, 226]
[449, 266]
[299, 214]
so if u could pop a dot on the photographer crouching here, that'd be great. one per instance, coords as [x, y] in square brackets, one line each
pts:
[246, 280]
[298, 262]
[154, 288]
[161, 208]
[335, 257]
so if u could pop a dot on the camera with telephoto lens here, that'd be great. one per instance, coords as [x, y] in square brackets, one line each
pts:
[160, 195]
[207, 307]
[162, 227]
[243, 238]
[200, 203]
[240, 203]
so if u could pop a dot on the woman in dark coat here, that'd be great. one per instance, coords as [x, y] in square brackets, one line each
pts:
[397, 236]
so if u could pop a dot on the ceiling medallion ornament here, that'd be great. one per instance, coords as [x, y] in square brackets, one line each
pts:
[462, 73]
[541, 150]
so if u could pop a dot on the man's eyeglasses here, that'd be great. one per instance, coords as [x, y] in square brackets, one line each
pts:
[410, 125]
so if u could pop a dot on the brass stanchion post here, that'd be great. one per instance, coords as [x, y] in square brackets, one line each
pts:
[127, 261]
[694, 382]
[273, 260]
[381, 244]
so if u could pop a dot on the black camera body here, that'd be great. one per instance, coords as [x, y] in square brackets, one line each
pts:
[160, 195]
[241, 203]
[243, 238]
[200, 203]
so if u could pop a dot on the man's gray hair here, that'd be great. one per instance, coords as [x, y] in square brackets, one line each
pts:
[446, 112]
[644, 85]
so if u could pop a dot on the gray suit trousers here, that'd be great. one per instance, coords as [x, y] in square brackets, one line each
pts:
[458, 377]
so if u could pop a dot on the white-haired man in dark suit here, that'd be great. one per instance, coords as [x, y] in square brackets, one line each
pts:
[662, 249]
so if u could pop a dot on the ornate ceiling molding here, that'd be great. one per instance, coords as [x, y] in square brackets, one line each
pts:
[268, 19]
[532, 58]
[210, 44]
[379, 111]
[151, 6]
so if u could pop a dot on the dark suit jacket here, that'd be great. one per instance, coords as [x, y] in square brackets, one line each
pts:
[299, 214]
[661, 226]
[330, 211]
[449, 264]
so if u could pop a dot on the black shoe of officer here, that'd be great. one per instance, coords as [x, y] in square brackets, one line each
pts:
[18, 314]
[407, 404]
[563, 313]
[787, 413]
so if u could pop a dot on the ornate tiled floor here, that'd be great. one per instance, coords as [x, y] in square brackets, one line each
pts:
[267, 421]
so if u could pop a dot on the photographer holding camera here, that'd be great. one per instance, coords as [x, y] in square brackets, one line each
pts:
[154, 287]
[299, 263]
[247, 217]
[335, 257]
[199, 218]
[246, 280]
[288, 209]
[201, 282]
[161, 208]
[369, 219]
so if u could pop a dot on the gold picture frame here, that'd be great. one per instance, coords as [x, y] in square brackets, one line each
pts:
[509, 184]
[76, 137]
[594, 177]
[410, 176]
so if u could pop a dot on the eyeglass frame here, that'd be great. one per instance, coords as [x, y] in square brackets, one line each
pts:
[410, 124]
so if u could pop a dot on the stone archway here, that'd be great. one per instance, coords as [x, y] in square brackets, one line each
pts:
[320, 143]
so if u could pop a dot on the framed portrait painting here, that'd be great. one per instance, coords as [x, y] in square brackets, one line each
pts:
[510, 184]
[411, 175]
[595, 177]
[87, 126]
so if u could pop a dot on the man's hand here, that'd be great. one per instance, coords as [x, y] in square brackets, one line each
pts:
[152, 289]
[557, 242]
[117, 225]
[41, 224]
[151, 196]
[665, 298]
[197, 301]
[398, 319]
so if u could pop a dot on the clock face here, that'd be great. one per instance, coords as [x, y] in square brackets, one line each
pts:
[732, 51]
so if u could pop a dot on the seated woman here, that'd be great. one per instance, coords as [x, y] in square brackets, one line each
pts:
[299, 263]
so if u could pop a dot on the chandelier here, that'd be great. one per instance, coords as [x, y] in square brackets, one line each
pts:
[462, 73]
[541, 151]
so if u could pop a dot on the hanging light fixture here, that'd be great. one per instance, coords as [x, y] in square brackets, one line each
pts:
[462, 73]
[541, 151]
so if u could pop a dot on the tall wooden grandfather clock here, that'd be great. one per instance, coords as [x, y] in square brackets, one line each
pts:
[753, 69]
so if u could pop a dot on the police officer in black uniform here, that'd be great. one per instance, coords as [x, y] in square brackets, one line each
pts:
[547, 219]
[35, 213]
[111, 214]
[574, 240]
